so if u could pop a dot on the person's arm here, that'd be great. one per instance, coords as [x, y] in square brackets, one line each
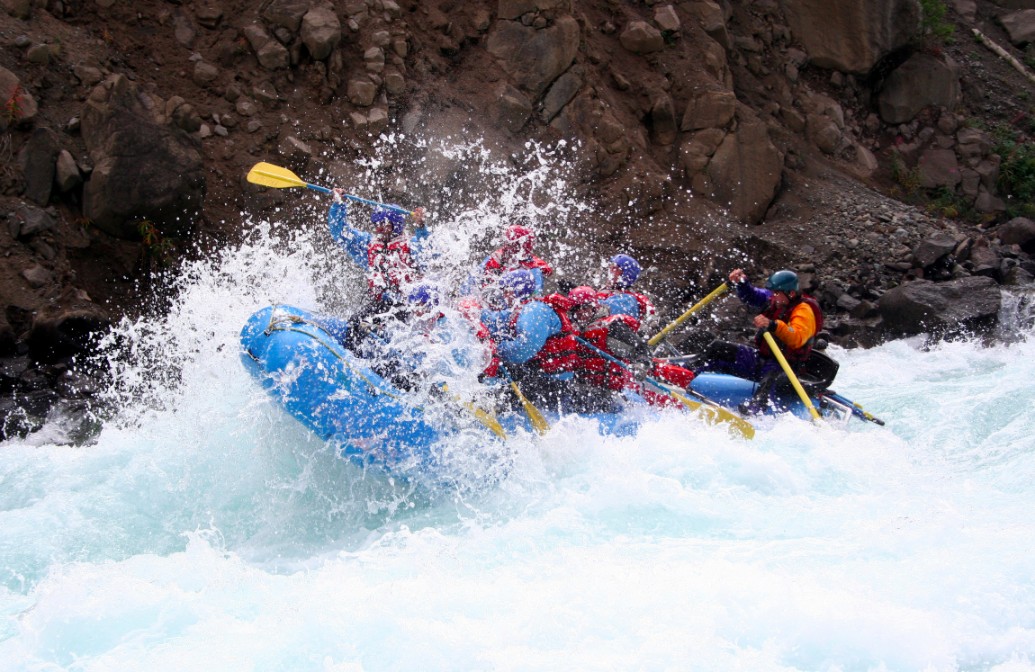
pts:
[756, 297]
[544, 266]
[354, 241]
[420, 243]
[799, 330]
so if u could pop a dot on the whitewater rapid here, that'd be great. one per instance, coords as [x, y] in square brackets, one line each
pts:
[205, 529]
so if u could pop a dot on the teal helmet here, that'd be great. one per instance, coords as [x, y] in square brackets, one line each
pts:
[783, 281]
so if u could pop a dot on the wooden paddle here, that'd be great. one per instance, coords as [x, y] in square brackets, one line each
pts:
[268, 175]
[480, 414]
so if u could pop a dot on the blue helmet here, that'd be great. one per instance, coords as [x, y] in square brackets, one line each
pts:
[521, 283]
[629, 267]
[397, 219]
[783, 281]
[423, 295]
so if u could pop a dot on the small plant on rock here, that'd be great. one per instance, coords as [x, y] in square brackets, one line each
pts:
[12, 110]
[158, 250]
[935, 31]
[1017, 170]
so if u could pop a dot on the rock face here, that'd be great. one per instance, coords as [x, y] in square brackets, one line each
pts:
[535, 57]
[959, 307]
[852, 35]
[142, 170]
[745, 169]
[920, 82]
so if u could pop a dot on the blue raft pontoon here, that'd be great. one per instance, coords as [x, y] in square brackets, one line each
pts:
[298, 357]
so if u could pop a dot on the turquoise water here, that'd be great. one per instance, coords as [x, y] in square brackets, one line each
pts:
[206, 530]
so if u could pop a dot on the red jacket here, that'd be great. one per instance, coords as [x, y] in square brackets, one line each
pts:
[389, 267]
[560, 352]
[495, 265]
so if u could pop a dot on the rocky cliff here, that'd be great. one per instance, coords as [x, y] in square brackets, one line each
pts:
[880, 147]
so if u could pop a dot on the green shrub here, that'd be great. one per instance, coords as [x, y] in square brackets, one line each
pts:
[1017, 171]
[935, 31]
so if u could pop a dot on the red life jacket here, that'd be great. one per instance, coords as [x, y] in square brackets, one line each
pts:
[599, 371]
[560, 352]
[494, 265]
[780, 311]
[389, 266]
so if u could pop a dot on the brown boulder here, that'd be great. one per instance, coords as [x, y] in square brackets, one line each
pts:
[142, 170]
[852, 35]
[923, 80]
[745, 170]
[534, 57]
[66, 327]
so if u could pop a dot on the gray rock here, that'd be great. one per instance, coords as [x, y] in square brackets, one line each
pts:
[933, 248]
[321, 31]
[286, 13]
[939, 168]
[28, 220]
[66, 173]
[709, 109]
[560, 94]
[950, 308]
[1018, 231]
[640, 37]
[532, 57]
[1020, 26]
[361, 92]
[39, 158]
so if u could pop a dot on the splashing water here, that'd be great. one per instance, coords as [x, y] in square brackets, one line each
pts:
[206, 529]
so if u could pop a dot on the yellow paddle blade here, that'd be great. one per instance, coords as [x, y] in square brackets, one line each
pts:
[713, 415]
[268, 175]
[539, 423]
[487, 419]
[480, 414]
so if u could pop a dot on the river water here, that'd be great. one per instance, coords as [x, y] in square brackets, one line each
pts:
[205, 529]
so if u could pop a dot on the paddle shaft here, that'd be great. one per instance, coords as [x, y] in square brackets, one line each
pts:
[715, 293]
[856, 408]
[539, 422]
[718, 412]
[790, 374]
[269, 175]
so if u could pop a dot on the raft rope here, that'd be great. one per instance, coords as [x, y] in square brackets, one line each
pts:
[275, 325]
[483, 416]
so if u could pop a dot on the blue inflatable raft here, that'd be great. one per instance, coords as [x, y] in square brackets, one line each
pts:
[298, 357]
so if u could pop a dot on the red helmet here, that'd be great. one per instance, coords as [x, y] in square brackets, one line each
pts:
[583, 294]
[520, 239]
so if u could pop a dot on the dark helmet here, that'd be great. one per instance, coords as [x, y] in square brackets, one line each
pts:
[397, 219]
[521, 283]
[629, 267]
[783, 281]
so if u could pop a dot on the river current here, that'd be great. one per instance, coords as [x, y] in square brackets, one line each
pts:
[205, 529]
